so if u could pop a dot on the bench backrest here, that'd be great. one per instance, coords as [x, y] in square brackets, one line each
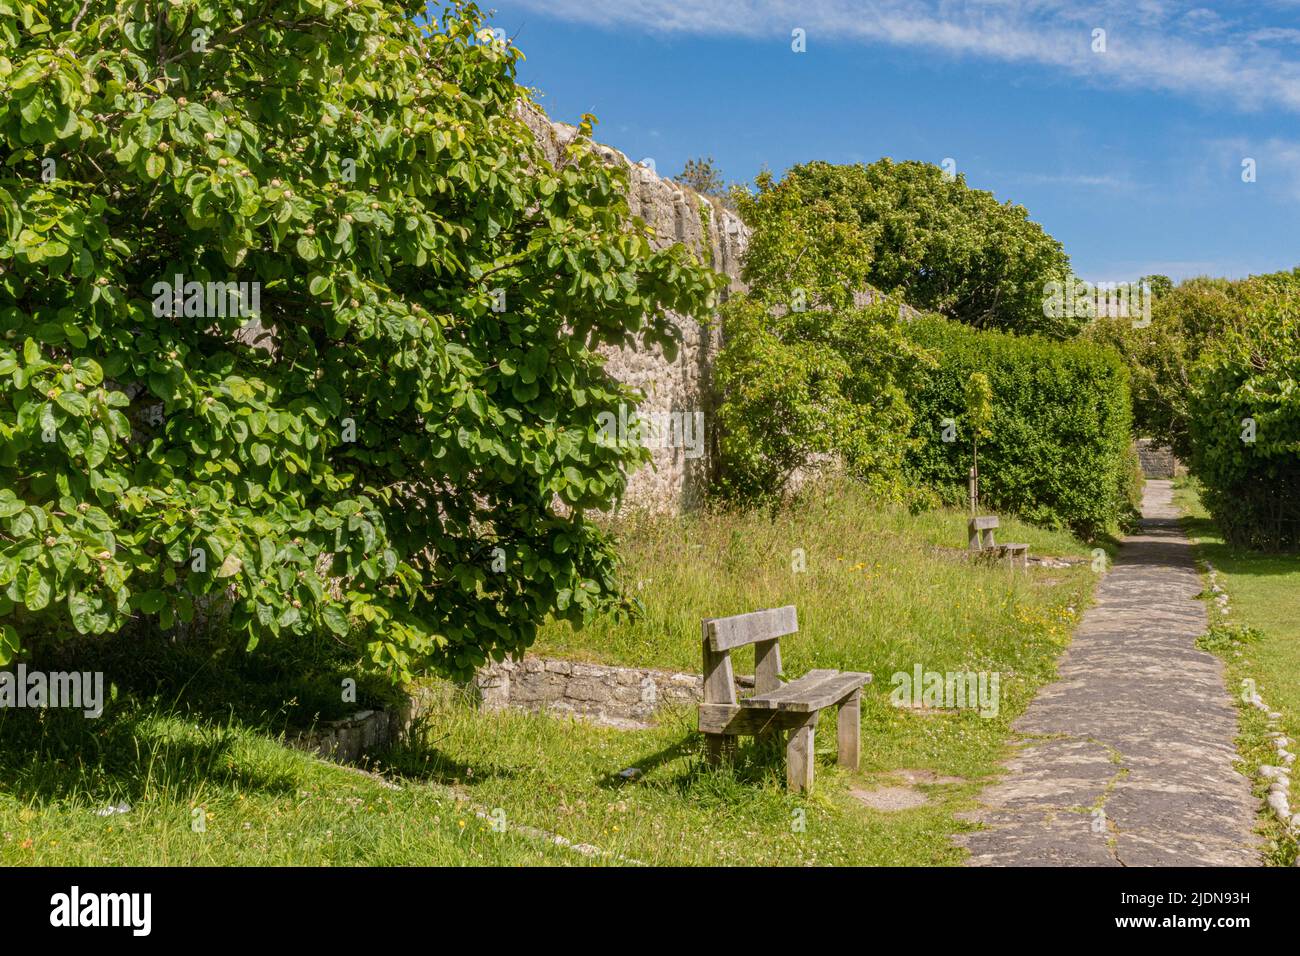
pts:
[724, 633]
[763, 629]
[980, 532]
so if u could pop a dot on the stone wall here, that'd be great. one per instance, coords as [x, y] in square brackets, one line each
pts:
[676, 393]
[1158, 461]
[626, 697]
[355, 738]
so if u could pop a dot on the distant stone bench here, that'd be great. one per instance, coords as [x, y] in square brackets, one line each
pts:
[775, 706]
[982, 541]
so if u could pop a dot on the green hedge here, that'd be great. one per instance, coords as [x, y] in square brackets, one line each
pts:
[1245, 417]
[1060, 452]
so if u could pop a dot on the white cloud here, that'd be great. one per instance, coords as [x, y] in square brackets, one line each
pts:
[1277, 162]
[1176, 47]
[1274, 35]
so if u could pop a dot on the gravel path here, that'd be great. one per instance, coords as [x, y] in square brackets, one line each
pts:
[1127, 759]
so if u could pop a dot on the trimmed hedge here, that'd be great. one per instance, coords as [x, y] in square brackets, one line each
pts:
[1244, 420]
[1060, 451]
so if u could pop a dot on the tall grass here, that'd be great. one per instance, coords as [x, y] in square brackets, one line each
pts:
[877, 589]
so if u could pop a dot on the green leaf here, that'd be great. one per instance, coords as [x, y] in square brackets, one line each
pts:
[9, 645]
[150, 602]
[97, 450]
[335, 619]
[38, 591]
[74, 403]
[162, 108]
[81, 610]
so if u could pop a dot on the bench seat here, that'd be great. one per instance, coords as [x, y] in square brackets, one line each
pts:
[1014, 551]
[816, 690]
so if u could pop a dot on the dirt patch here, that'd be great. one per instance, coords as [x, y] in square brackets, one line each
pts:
[927, 778]
[890, 798]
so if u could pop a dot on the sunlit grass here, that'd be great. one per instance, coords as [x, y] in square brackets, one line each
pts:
[258, 802]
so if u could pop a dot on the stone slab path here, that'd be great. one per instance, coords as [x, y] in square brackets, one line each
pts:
[1139, 725]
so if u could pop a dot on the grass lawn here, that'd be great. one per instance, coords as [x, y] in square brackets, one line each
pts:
[261, 803]
[1264, 593]
[872, 595]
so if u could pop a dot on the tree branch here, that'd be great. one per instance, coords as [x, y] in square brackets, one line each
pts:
[76, 21]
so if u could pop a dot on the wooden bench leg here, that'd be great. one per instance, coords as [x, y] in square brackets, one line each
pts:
[718, 747]
[848, 727]
[800, 753]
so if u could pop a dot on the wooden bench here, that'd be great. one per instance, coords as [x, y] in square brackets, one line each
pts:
[981, 539]
[774, 706]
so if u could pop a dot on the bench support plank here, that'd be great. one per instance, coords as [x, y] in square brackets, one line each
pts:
[767, 666]
[800, 752]
[848, 727]
[719, 688]
[734, 720]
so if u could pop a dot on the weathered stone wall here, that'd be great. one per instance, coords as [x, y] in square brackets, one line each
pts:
[1157, 461]
[617, 696]
[352, 740]
[677, 393]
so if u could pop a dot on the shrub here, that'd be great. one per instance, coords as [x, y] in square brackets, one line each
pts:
[1244, 418]
[1058, 450]
[432, 290]
[803, 388]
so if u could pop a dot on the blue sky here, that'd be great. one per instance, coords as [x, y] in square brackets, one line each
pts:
[1131, 157]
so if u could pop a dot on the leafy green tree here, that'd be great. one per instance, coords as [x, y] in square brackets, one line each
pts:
[703, 176]
[408, 454]
[910, 230]
[1159, 285]
[1160, 355]
[811, 370]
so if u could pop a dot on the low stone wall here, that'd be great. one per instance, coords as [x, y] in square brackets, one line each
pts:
[625, 697]
[353, 739]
